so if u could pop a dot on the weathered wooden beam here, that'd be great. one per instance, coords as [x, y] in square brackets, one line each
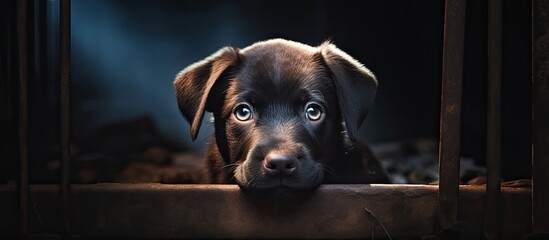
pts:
[450, 113]
[223, 211]
[22, 45]
[65, 67]
[540, 116]
[493, 121]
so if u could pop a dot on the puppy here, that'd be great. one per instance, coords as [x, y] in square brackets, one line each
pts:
[286, 115]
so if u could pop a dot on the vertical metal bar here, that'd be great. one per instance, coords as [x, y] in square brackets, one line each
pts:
[65, 46]
[493, 144]
[22, 26]
[450, 115]
[540, 116]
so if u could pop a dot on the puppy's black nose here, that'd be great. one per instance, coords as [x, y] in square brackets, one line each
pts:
[280, 165]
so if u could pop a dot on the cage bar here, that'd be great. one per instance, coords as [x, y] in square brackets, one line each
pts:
[493, 121]
[450, 114]
[22, 35]
[540, 112]
[65, 45]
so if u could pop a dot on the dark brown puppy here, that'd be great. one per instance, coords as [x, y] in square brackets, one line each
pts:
[286, 115]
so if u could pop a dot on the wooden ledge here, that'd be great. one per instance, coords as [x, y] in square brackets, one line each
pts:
[224, 211]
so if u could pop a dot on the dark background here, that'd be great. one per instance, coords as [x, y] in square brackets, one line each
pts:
[125, 55]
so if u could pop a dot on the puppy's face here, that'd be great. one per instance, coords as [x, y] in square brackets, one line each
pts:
[282, 109]
[281, 118]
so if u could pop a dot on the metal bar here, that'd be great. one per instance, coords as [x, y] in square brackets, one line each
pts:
[493, 118]
[65, 45]
[450, 115]
[162, 211]
[22, 26]
[540, 116]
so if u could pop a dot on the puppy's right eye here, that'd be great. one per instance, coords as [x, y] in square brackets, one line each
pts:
[243, 112]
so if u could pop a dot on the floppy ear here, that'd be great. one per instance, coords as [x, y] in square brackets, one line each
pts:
[356, 87]
[193, 84]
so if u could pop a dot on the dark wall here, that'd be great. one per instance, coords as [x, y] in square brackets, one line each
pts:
[125, 56]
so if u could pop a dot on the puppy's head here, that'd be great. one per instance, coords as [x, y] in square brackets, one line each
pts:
[282, 109]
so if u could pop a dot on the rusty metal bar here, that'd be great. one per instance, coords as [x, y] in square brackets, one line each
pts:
[450, 114]
[540, 116]
[65, 46]
[493, 118]
[22, 27]
[162, 211]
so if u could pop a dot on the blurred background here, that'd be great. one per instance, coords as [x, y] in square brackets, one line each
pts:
[125, 123]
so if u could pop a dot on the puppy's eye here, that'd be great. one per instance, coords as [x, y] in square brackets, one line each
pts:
[313, 112]
[243, 112]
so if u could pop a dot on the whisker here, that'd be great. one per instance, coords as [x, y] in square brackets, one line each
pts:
[254, 181]
[252, 184]
[230, 168]
[230, 165]
[330, 171]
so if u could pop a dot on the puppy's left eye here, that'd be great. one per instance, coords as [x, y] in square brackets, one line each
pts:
[313, 112]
